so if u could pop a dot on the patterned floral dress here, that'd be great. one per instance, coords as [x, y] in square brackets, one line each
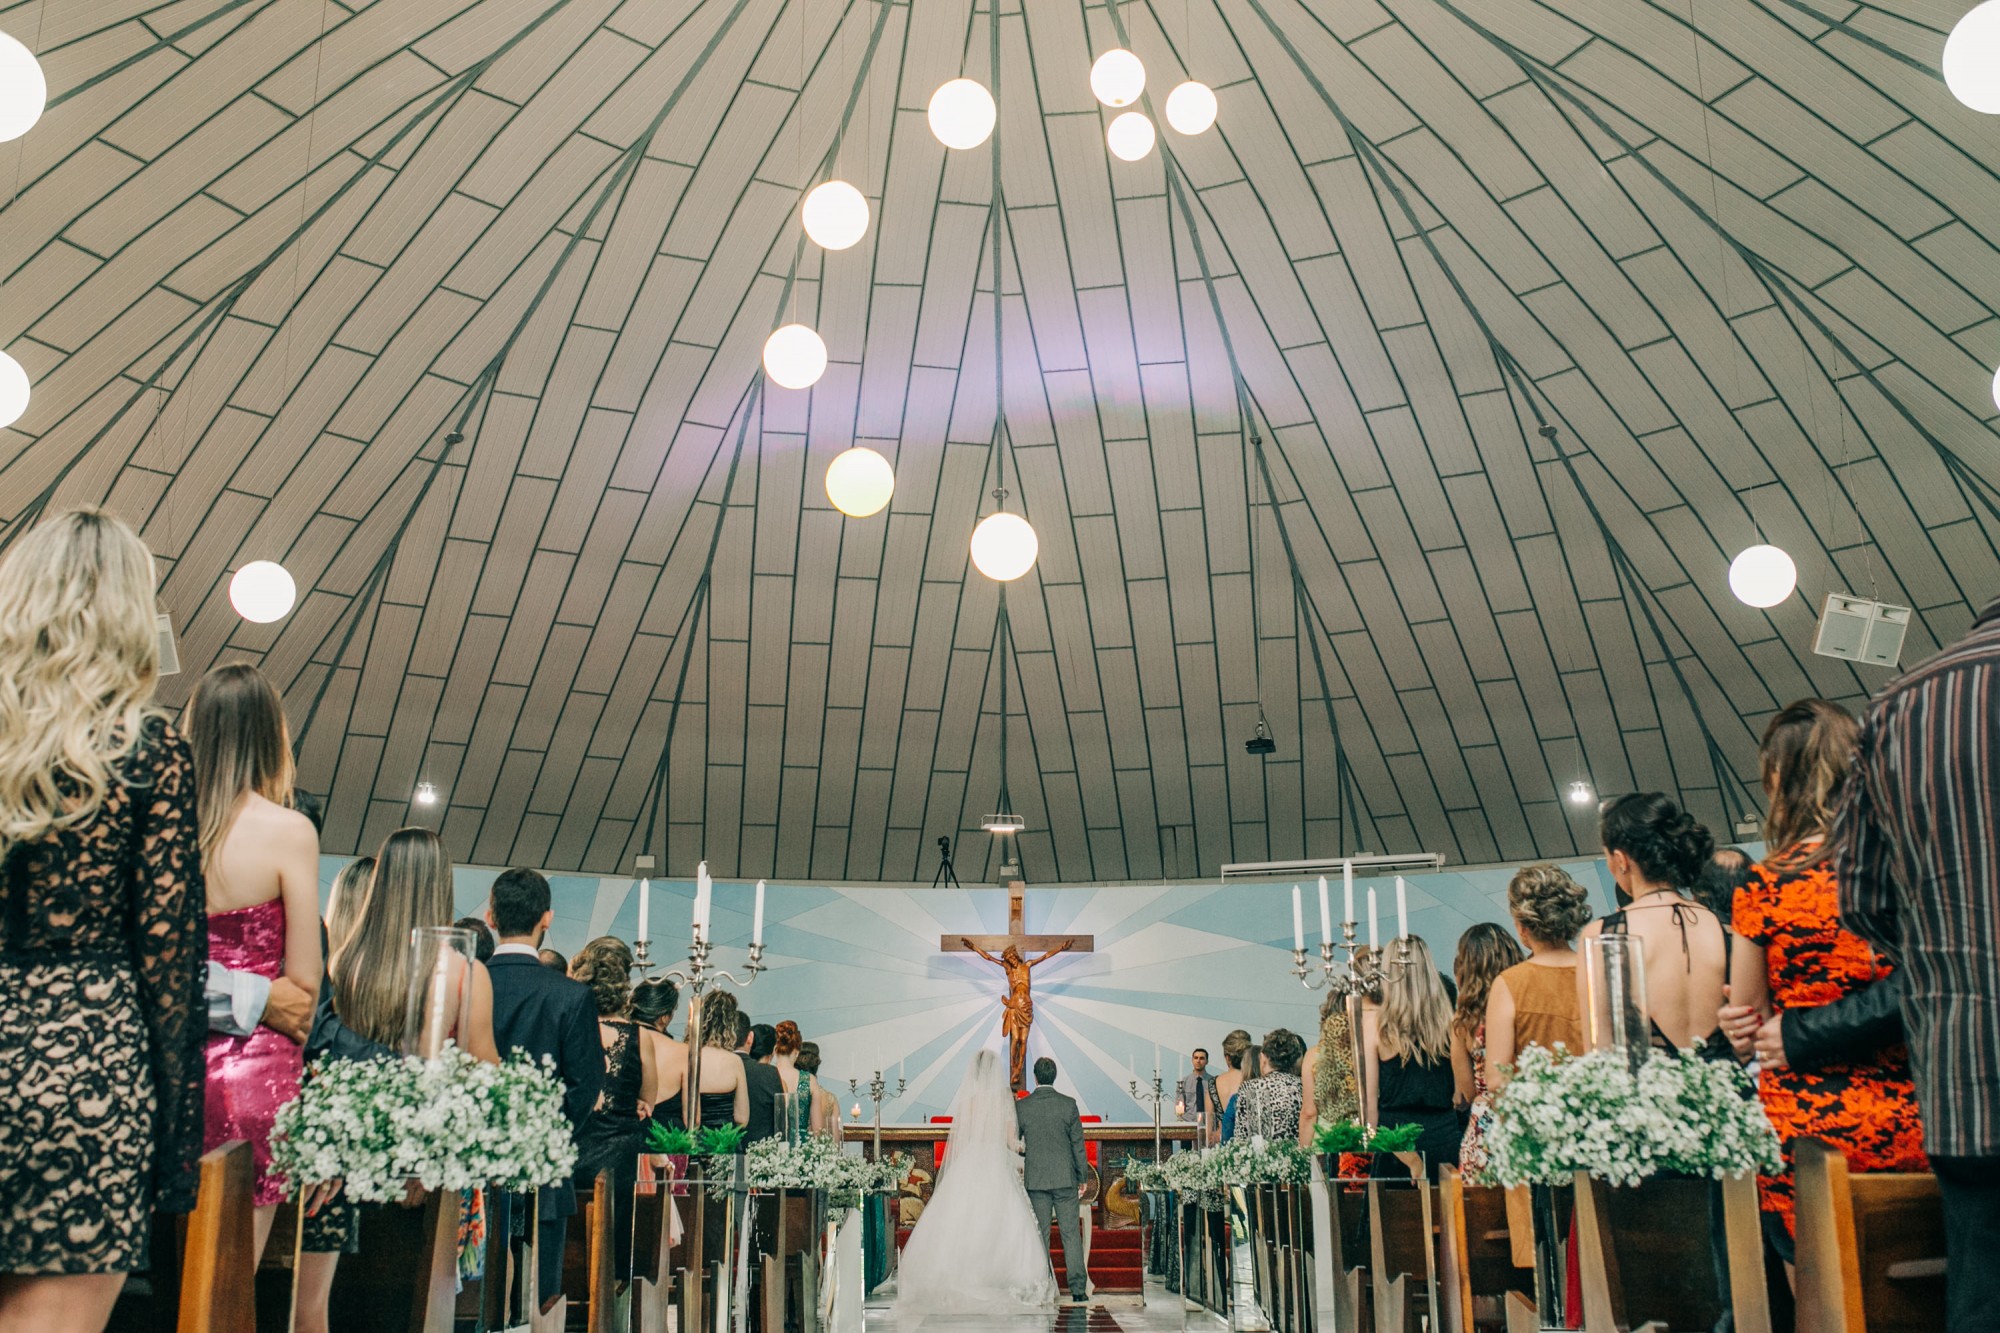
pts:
[1472, 1148]
[1867, 1107]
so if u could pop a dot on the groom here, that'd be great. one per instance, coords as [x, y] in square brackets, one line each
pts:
[1057, 1176]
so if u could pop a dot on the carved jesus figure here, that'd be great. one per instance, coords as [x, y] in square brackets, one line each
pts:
[1018, 1009]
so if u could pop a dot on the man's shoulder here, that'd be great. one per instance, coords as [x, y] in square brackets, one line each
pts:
[520, 975]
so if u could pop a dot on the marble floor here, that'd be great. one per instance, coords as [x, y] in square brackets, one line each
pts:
[1160, 1312]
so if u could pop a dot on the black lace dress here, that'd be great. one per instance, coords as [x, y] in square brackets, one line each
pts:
[613, 1135]
[103, 950]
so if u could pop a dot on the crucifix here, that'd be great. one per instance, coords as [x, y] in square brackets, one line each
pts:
[1009, 953]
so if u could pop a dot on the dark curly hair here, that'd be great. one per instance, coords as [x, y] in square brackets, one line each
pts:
[605, 965]
[787, 1038]
[1546, 903]
[1663, 840]
[1284, 1048]
[1484, 952]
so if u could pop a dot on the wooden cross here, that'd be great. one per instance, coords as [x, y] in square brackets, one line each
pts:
[994, 944]
[1009, 953]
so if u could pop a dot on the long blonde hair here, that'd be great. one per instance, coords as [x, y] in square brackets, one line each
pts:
[236, 729]
[1415, 1022]
[79, 656]
[344, 903]
[411, 887]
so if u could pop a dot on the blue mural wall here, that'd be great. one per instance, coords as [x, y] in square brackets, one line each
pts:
[858, 968]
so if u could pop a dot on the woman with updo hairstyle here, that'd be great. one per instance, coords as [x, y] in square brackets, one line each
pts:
[1269, 1105]
[799, 1085]
[614, 1133]
[725, 1092]
[1231, 1078]
[653, 1004]
[1656, 853]
[825, 1107]
[1535, 1002]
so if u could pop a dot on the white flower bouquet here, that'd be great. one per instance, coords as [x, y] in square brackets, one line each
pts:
[1203, 1176]
[816, 1163]
[1561, 1113]
[451, 1122]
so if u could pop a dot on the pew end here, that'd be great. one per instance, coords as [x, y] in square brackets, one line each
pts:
[1870, 1246]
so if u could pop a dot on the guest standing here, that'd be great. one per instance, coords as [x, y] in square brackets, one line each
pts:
[1327, 1073]
[1918, 864]
[1484, 952]
[550, 958]
[1407, 1046]
[1268, 1107]
[1249, 1068]
[343, 904]
[541, 1014]
[826, 1107]
[804, 1113]
[1728, 872]
[614, 1133]
[1792, 954]
[260, 866]
[1656, 852]
[1535, 1002]
[371, 973]
[102, 939]
[755, 1042]
[1194, 1095]
[653, 1006]
[725, 1088]
[1231, 1077]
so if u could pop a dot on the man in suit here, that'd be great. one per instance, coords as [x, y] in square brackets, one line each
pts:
[1194, 1097]
[539, 1011]
[1057, 1175]
[754, 1044]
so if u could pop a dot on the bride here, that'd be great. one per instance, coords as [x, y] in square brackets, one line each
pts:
[976, 1247]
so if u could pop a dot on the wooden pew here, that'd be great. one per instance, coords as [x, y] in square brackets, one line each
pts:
[218, 1294]
[1645, 1258]
[1478, 1259]
[405, 1278]
[610, 1304]
[1400, 1250]
[1870, 1247]
[1340, 1251]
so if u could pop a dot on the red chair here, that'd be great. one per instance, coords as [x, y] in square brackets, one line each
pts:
[937, 1154]
[1090, 1145]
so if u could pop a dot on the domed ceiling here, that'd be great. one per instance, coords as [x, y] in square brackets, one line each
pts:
[1420, 405]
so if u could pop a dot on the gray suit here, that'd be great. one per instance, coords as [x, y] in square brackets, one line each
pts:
[1052, 1136]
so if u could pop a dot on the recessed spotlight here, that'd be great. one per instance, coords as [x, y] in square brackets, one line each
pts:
[1580, 793]
[427, 793]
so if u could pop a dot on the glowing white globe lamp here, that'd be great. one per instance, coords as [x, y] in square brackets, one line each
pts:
[1004, 547]
[835, 215]
[1762, 576]
[1996, 388]
[23, 90]
[795, 357]
[262, 592]
[962, 114]
[1191, 107]
[860, 482]
[1972, 59]
[1130, 137]
[1118, 77]
[13, 390]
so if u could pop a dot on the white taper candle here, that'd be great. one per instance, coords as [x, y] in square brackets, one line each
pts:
[645, 893]
[757, 919]
[1325, 914]
[1371, 917]
[1298, 921]
[1347, 891]
[1402, 911]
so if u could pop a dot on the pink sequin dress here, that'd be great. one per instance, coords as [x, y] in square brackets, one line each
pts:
[249, 1078]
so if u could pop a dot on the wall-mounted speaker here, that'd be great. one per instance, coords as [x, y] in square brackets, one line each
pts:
[1855, 629]
[170, 652]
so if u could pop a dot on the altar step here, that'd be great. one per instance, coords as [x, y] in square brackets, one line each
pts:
[1117, 1256]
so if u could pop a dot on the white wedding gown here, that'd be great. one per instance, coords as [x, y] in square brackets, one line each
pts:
[976, 1248]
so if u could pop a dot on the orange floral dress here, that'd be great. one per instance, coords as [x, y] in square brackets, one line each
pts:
[1866, 1108]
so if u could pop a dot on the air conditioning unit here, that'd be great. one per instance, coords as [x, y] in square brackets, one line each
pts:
[1855, 629]
[1364, 864]
[170, 652]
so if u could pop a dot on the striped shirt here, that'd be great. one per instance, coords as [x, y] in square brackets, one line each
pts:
[1919, 868]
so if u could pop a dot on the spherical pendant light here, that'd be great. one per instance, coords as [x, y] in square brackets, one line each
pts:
[23, 90]
[1972, 58]
[1191, 107]
[262, 592]
[835, 215]
[1004, 547]
[1762, 576]
[795, 357]
[962, 114]
[1118, 77]
[13, 390]
[859, 482]
[1130, 136]
[1996, 388]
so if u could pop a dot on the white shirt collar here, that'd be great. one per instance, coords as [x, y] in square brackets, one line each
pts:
[527, 949]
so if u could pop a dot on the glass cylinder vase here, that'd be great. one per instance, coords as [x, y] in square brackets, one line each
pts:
[1614, 982]
[439, 1001]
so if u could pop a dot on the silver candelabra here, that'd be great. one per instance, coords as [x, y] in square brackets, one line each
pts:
[1342, 975]
[1155, 1092]
[878, 1092]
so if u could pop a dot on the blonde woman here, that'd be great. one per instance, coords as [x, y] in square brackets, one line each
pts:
[1326, 1075]
[260, 863]
[1407, 1047]
[343, 904]
[371, 971]
[102, 936]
